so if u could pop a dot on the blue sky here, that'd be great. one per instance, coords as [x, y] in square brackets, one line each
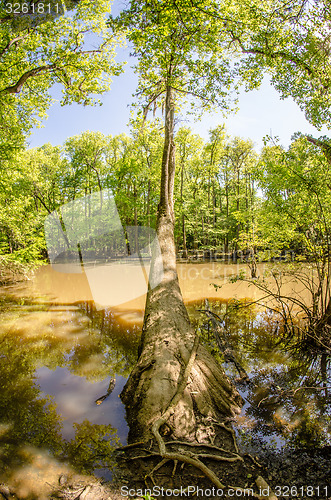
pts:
[261, 113]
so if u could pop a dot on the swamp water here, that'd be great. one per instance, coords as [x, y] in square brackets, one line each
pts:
[58, 353]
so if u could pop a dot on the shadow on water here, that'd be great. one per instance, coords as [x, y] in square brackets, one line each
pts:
[56, 360]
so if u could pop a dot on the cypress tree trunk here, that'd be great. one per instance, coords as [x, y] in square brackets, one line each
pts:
[168, 338]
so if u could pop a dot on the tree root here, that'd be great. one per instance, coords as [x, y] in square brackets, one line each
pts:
[219, 458]
[157, 467]
[188, 458]
[206, 445]
[129, 446]
[137, 457]
[231, 431]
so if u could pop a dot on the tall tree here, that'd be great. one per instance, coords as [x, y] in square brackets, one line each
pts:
[175, 382]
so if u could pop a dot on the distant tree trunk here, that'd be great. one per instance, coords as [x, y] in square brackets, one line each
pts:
[148, 210]
[238, 204]
[203, 239]
[183, 215]
[214, 206]
[227, 211]
[135, 196]
[184, 237]
[168, 338]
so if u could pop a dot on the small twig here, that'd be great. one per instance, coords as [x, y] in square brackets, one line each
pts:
[253, 459]
[315, 388]
[264, 399]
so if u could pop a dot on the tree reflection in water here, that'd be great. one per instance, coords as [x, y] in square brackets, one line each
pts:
[37, 341]
[56, 360]
[287, 400]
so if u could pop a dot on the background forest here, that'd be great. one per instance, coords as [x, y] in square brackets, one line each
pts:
[227, 197]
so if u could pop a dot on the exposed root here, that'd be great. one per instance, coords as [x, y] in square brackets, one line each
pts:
[129, 446]
[205, 445]
[231, 431]
[174, 469]
[186, 457]
[196, 463]
[137, 457]
[157, 467]
[218, 458]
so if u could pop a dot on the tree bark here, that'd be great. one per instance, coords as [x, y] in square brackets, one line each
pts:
[168, 338]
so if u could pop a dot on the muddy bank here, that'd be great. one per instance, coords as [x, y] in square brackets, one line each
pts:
[67, 486]
[306, 471]
[303, 474]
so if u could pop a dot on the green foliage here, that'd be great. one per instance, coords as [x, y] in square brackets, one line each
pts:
[187, 49]
[214, 190]
[92, 447]
[216, 199]
[297, 207]
[201, 52]
[75, 51]
[290, 40]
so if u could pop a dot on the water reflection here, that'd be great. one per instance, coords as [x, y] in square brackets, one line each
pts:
[287, 402]
[55, 361]
[75, 400]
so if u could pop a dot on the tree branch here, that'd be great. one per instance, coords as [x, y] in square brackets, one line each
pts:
[273, 55]
[12, 42]
[17, 87]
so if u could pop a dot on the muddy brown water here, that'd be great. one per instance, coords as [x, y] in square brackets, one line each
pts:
[59, 349]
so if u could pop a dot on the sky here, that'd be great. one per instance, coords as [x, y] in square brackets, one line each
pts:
[261, 112]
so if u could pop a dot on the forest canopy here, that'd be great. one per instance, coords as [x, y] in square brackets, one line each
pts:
[75, 51]
[227, 196]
